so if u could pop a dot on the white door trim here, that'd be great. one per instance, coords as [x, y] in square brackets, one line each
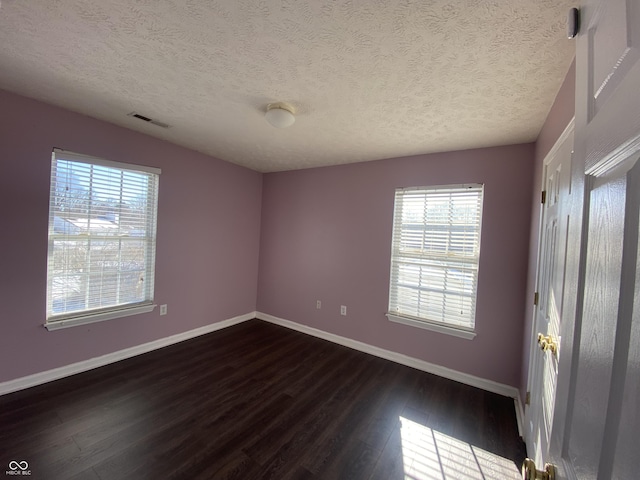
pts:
[564, 136]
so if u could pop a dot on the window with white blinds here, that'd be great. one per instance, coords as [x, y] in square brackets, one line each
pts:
[435, 253]
[102, 239]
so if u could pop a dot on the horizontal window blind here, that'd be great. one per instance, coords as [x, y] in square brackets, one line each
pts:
[435, 253]
[102, 236]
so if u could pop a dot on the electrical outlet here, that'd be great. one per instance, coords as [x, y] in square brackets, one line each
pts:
[318, 304]
[163, 309]
[343, 309]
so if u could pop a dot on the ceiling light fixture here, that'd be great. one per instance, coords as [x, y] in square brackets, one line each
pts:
[280, 115]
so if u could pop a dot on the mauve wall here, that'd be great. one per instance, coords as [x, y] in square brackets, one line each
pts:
[559, 117]
[326, 235]
[207, 247]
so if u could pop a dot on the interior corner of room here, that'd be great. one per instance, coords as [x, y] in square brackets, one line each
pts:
[279, 222]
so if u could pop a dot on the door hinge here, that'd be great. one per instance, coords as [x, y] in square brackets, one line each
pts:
[536, 298]
[527, 398]
[543, 197]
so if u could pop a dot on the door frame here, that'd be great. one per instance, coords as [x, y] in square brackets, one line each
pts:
[551, 154]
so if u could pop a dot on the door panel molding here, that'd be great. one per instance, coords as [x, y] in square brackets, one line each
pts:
[623, 153]
[550, 280]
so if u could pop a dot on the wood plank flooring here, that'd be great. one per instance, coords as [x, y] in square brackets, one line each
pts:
[258, 401]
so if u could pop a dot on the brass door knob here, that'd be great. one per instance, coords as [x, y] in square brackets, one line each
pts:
[547, 343]
[530, 472]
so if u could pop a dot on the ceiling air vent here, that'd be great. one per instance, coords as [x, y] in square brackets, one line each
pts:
[148, 120]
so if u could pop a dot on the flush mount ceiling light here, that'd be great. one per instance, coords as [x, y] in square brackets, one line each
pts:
[280, 115]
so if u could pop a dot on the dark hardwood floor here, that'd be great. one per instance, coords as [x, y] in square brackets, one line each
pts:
[258, 401]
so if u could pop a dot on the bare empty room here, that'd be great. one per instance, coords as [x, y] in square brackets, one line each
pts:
[319, 239]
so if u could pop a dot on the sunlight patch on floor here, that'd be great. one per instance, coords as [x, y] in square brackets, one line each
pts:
[430, 455]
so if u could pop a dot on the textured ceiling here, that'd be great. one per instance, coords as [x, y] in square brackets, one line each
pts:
[369, 79]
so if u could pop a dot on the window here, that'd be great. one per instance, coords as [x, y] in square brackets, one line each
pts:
[102, 239]
[434, 258]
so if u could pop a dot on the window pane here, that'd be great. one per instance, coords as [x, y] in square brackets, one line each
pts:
[435, 253]
[102, 226]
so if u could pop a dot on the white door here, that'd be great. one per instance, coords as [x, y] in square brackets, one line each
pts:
[596, 417]
[545, 352]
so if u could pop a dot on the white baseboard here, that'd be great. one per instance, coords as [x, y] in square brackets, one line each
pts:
[484, 384]
[72, 369]
[67, 370]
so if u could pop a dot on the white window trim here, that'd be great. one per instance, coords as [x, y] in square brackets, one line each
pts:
[79, 157]
[67, 322]
[87, 317]
[460, 332]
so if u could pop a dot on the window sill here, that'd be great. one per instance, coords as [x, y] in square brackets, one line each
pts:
[98, 317]
[435, 327]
